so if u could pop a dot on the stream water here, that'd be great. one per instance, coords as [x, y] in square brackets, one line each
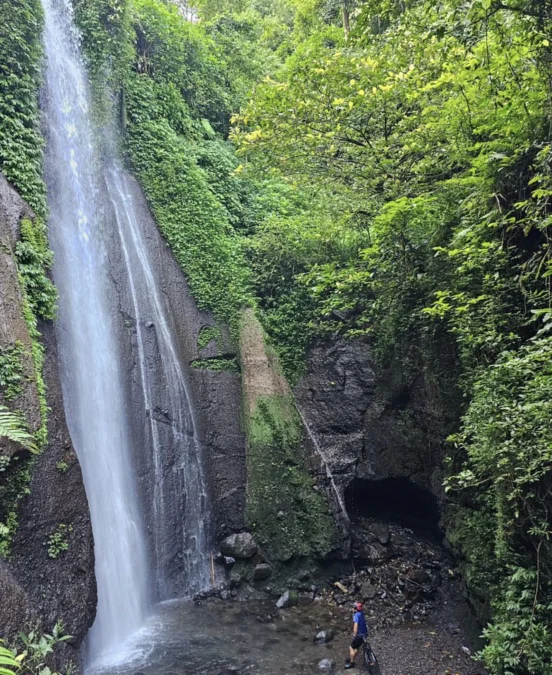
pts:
[91, 212]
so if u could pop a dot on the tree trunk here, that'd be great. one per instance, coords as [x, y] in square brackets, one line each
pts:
[346, 24]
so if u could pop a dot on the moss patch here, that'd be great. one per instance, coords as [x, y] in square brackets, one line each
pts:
[289, 517]
[218, 364]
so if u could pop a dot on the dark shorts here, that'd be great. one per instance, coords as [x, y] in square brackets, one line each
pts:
[357, 642]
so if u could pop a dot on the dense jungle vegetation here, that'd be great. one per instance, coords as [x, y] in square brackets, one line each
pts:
[375, 169]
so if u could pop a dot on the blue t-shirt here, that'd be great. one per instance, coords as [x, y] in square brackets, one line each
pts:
[362, 628]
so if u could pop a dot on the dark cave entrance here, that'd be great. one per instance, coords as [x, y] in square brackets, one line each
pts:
[394, 500]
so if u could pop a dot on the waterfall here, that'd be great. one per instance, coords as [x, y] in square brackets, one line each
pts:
[185, 488]
[91, 213]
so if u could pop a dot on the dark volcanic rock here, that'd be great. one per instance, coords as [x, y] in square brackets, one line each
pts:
[64, 588]
[262, 571]
[371, 425]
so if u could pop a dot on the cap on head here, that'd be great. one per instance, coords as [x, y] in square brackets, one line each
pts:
[358, 606]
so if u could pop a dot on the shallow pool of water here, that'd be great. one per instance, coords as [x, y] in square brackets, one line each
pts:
[185, 639]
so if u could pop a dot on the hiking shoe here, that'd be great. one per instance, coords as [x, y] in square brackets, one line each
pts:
[348, 665]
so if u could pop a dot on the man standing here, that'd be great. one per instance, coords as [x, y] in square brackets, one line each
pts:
[360, 633]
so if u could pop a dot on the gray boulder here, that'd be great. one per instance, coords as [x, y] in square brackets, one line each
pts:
[326, 665]
[368, 591]
[324, 636]
[288, 599]
[240, 545]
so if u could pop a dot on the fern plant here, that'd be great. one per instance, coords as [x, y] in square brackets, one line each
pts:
[12, 428]
[7, 662]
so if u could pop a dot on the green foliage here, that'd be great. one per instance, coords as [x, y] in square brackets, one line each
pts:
[8, 662]
[11, 371]
[20, 62]
[58, 541]
[217, 364]
[34, 259]
[32, 652]
[37, 353]
[62, 466]
[206, 335]
[15, 479]
[507, 438]
[12, 427]
[190, 217]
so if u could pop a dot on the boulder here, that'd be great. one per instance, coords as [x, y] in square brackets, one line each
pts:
[368, 591]
[372, 553]
[380, 531]
[324, 636]
[326, 665]
[288, 599]
[261, 572]
[419, 576]
[240, 545]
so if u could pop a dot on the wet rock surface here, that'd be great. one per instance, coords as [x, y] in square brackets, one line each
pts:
[214, 397]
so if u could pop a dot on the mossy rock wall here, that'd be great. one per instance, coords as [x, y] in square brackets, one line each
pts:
[288, 515]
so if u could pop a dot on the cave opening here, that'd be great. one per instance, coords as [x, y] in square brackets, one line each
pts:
[394, 500]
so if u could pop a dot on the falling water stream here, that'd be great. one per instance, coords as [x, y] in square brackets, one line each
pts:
[91, 210]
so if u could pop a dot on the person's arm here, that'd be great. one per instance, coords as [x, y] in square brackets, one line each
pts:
[355, 628]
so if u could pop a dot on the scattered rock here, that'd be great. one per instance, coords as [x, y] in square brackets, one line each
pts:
[324, 636]
[371, 553]
[419, 576]
[368, 591]
[380, 530]
[326, 665]
[262, 571]
[229, 561]
[305, 598]
[288, 599]
[240, 545]
[236, 579]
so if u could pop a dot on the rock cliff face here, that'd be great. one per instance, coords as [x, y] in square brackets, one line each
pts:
[210, 369]
[37, 582]
[377, 433]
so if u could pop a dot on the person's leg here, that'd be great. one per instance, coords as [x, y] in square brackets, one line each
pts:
[352, 654]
